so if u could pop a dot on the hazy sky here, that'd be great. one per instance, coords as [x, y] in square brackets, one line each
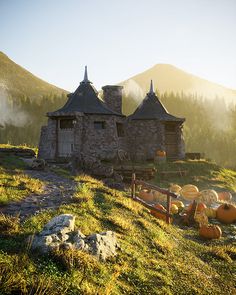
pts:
[117, 39]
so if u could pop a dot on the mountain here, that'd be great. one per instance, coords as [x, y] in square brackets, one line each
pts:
[24, 102]
[17, 81]
[168, 78]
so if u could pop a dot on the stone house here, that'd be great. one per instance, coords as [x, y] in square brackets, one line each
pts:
[86, 126]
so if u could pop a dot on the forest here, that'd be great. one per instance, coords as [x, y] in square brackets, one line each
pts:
[210, 126]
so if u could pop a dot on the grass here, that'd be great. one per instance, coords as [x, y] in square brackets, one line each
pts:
[14, 183]
[154, 258]
[202, 173]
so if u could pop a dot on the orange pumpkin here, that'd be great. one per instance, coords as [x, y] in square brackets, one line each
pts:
[210, 231]
[146, 195]
[226, 213]
[161, 153]
[159, 215]
[200, 207]
[189, 192]
[224, 196]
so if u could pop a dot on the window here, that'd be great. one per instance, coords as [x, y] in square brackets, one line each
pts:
[99, 125]
[120, 130]
[170, 128]
[66, 124]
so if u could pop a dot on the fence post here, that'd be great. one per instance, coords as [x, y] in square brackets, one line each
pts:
[133, 186]
[168, 209]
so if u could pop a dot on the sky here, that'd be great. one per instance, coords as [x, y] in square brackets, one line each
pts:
[117, 39]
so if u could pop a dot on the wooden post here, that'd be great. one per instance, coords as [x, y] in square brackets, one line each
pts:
[133, 186]
[168, 209]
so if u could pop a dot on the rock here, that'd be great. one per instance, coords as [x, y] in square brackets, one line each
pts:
[103, 245]
[62, 224]
[59, 233]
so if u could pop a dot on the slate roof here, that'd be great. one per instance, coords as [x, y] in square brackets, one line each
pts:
[152, 109]
[85, 100]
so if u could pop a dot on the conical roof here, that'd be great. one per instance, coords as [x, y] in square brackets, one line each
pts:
[152, 109]
[85, 100]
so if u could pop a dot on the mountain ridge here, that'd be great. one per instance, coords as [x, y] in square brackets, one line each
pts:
[17, 81]
[169, 78]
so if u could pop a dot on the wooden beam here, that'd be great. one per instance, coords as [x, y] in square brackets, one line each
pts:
[151, 207]
[156, 188]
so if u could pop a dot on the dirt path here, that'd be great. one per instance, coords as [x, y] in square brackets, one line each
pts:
[57, 191]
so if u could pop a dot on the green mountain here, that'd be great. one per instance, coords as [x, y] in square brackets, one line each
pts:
[168, 78]
[24, 102]
[17, 81]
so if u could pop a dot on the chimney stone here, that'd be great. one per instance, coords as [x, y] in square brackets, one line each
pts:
[112, 96]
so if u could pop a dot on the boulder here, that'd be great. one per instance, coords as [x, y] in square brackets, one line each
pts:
[60, 233]
[63, 224]
[103, 245]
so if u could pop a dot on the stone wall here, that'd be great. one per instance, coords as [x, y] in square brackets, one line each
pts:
[47, 142]
[141, 140]
[144, 138]
[112, 96]
[102, 144]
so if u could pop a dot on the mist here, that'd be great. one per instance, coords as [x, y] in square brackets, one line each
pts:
[10, 114]
[132, 89]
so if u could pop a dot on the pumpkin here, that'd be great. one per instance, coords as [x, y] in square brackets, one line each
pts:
[200, 207]
[146, 195]
[210, 212]
[179, 204]
[175, 188]
[210, 231]
[224, 196]
[174, 209]
[159, 197]
[208, 196]
[161, 153]
[159, 215]
[226, 213]
[189, 192]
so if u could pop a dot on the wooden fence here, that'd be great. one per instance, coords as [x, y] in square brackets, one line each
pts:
[166, 192]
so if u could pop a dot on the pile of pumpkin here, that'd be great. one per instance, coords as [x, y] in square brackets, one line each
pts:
[204, 203]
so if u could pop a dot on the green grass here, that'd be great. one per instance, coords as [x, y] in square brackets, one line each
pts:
[14, 183]
[154, 258]
[202, 173]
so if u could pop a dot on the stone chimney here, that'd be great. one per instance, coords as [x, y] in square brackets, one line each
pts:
[112, 96]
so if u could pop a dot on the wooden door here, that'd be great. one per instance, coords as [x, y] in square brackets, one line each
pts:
[171, 141]
[65, 142]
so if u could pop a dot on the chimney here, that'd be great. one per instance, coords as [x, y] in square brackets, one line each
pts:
[112, 96]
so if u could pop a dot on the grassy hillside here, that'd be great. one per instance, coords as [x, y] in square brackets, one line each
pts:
[154, 259]
[19, 82]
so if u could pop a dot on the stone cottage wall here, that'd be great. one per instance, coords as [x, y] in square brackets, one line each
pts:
[102, 144]
[47, 142]
[145, 137]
